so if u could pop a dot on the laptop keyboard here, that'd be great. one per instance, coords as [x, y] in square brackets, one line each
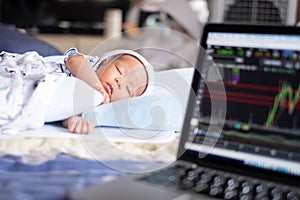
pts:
[219, 184]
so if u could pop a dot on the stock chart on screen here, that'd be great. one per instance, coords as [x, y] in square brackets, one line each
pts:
[262, 92]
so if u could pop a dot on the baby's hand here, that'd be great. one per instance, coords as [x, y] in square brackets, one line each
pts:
[79, 125]
[100, 88]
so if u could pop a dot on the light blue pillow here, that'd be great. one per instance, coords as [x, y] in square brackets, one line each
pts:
[164, 109]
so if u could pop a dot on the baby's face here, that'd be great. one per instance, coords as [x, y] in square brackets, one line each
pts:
[123, 77]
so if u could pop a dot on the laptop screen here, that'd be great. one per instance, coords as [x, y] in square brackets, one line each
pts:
[257, 95]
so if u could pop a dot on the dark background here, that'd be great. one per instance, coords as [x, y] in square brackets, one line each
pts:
[47, 14]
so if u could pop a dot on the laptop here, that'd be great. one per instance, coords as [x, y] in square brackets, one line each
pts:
[241, 133]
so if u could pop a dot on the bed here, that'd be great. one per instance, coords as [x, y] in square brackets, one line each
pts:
[130, 137]
[50, 162]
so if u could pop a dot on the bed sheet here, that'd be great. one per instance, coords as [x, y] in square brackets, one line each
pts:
[105, 143]
[49, 163]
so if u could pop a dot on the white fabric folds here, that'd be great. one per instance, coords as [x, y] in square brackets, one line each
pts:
[26, 86]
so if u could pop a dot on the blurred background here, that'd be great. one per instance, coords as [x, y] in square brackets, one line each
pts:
[87, 23]
[87, 16]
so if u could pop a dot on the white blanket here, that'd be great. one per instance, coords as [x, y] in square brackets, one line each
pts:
[26, 85]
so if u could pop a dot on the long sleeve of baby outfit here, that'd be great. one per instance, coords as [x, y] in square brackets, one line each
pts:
[93, 60]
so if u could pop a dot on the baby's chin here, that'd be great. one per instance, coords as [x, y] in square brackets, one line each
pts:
[114, 98]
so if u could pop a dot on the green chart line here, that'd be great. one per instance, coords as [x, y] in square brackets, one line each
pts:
[286, 94]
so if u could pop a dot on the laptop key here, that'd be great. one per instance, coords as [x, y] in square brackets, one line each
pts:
[246, 197]
[187, 183]
[218, 181]
[246, 188]
[203, 183]
[216, 191]
[261, 196]
[232, 184]
[206, 177]
[231, 189]
[230, 194]
[201, 187]
[189, 180]
[291, 195]
[276, 194]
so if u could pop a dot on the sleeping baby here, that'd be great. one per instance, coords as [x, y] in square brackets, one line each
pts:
[27, 81]
[117, 75]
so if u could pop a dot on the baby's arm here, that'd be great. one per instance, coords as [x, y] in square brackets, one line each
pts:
[81, 68]
[79, 125]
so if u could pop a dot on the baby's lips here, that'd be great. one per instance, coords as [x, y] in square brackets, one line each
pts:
[109, 89]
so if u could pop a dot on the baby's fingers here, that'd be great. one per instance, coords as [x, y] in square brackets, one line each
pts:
[86, 127]
[106, 98]
[90, 127]
[72, 124]
[80, 125]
